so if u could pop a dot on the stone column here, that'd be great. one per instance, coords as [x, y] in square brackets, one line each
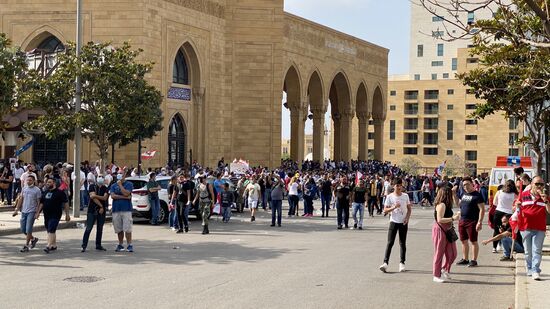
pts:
[199, 134]
[345, 135]
[378, 138]
[297, 134]
[336, 137]
[318, 135]
[363, 136]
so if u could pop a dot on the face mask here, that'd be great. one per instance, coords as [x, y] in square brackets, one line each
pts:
[100, 181]
[119, 176]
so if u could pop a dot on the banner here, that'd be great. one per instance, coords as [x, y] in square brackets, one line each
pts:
[148, 154]
[25, 147]
[239, 167]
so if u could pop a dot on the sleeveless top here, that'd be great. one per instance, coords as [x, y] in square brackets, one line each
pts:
[448, 213]
[505, 202]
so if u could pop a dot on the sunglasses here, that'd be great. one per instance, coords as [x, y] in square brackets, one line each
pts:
[539, 184]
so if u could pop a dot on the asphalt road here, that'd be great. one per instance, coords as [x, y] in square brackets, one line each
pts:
[307, 263]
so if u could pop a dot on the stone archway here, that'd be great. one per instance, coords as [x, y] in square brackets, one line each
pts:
[177, 141]
[318, 108]
[363, 114]
[293, 89]
[342, 116]
[379, 116]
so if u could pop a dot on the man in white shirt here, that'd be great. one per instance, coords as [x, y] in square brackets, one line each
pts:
[29, 171]
[82, 188]
[253, 189]
[398, 205]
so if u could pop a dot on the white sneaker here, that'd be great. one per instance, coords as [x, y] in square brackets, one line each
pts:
[383, 267]
[445, 275]
[494, 250]
[536, 276]
[401, 267]
[438, 280]
[499, 247]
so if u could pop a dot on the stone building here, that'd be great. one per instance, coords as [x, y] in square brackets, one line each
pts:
[222, 67]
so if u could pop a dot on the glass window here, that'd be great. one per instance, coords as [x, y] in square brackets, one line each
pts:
[471, 155]
[371, 135]
[450, 91]
[437, 18]
[440, 49]
[445, 75]
[437, 63]
[471, 106]
[472, 60]
[434, 76]
[431, 108]
[454, 64]
[420, 50]
[411, 108]
[431, 123]
[392, 93]
[411, 95]
[392, 151]
[450, 152]
[513, 138]
[430, 138]
[410, 138]
[416, 76]
[430, 151]
[513, 123]
[438, 34]
[392, 129]
[392, 107]
[471, 121]
[471, 137]
[180, 72]
[410, 150]
[450, 130]
[411, 124]
[513, 152]
[471, 17]
[450, 107]
[431, 94]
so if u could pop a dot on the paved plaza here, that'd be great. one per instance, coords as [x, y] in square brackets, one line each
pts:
[306, 263]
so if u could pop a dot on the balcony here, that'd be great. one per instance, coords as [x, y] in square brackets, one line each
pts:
[411, 95]
[431, 95]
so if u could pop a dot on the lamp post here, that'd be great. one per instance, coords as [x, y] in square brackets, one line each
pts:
[77, 103]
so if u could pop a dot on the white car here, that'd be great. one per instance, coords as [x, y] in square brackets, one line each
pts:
[140, 197]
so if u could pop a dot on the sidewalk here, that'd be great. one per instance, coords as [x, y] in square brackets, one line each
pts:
[10, 225]
[529, 293]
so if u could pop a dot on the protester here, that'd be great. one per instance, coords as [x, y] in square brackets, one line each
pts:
[443, 247]
[358, 196]
[121, 193]
[343, 198]
[184, 201]
[53, 202]
[172, 203]
[472, 211]
[153, 188]
[277, 200]
[29, 204]
[505, 236]
[97, 210]
[227, 198]
[204, 196]
[504, 200]
[253, 191]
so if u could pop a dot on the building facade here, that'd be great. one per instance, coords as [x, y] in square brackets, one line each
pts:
[222, 67]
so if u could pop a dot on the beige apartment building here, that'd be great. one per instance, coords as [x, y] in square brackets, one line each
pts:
[222, 67]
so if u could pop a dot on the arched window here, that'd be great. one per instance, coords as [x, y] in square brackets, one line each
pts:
[51, 44]
[180, 70]
[176, 141]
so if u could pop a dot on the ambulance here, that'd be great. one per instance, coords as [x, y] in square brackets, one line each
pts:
[504, 170]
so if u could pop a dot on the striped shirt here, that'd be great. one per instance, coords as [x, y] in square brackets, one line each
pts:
[532, 214]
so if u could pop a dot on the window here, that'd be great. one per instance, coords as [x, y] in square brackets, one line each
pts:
[471, 122]
[472, 60]
[430, 151]
[410, 151]
[513, 123]
[371, 122]
[393, 93]
[392, 107]
[431, 108]
[392, 151]
[437, 63]
[471, 155]
[411, 95]
[411, 108]
[180, 72]
[513, 152]
[430, 138]
[445, 75]
[434, 76]
[431, 123]
[438, 34]
[450, 107]
[471, 137]
[437, 18]
[392, 129]
[410, 139]
[450, 130]
[450, 91]
[411, 124]
[440, 49]
[471, 106]
[420, 51]
[431, 94]
[416, 76]
[469, 91]
[513, 138]
[471, 17]
[449, 152]
[454, 64]
[371, 135]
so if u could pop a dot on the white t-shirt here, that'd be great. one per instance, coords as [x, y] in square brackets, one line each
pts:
[505, 202]
[293, 189]
[253, 191]
[398, 215]
[387, 187]
[82, 179]
[25, 176]
[17, 173]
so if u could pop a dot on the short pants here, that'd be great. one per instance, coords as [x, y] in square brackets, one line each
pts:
[27, 222]
[467, 230]
[122, 221]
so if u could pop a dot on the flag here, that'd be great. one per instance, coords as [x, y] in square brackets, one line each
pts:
[514, 224]
[148, 154]
[24, 148]
[439, 170]
[358, 176]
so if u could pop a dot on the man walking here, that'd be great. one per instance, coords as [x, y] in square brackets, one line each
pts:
[343, 199]
[358, 197]
[253, 190]
[28, 204]
[204, 195]
[276, 200]
[53, 202]
[99, 196]
[326, 195]
[398, 205]
[532, 224]
[121, 193]
[153, 189]
[184, 200]
[472, 211]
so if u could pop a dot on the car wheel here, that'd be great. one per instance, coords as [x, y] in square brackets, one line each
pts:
[163, 213]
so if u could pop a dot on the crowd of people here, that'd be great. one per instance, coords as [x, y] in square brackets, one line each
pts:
[517, 218]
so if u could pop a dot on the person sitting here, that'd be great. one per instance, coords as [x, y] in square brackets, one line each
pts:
[505, 237]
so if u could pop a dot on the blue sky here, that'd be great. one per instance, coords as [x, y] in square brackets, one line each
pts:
[382, 22]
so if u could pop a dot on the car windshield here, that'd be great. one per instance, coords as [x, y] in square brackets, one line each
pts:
[138, 184]
[164, 183]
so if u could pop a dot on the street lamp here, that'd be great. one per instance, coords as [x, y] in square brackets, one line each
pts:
[77, 103]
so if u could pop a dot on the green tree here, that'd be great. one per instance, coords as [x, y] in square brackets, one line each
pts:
[118, 104]
[514, 51]
[12, 72]
[411, 166]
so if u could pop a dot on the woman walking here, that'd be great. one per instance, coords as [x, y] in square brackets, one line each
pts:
[442, 246]
[504, 201]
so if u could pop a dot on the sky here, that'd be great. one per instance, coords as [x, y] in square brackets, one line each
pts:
[382, 22]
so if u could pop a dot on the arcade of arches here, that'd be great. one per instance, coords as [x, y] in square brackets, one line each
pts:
[222, 67]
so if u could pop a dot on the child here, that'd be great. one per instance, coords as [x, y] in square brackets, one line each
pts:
[227, 200]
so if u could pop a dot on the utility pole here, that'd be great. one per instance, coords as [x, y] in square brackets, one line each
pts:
[77, 103]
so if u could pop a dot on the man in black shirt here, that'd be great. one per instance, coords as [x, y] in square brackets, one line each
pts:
[326, 195]
[53, 202]
[343, 196]
[185, 195]
[472, 211]
[97, 207]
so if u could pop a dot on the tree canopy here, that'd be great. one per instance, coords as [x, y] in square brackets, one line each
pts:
[12, 71]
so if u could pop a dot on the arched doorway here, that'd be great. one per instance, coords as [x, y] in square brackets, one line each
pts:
[342, 116]
[318, 109]
[292, 90]
[379, 116]
[362, 108]
[177, 141]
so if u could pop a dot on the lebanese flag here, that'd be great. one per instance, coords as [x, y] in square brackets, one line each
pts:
[148, 154]
[358, 176]
[439, 170]
[514, 224]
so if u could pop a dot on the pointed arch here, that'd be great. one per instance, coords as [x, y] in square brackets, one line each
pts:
[378, 104]
[292, 85]
[315, 91]
[186, 65]
[35, 38]
[362, 99]
[177, 141]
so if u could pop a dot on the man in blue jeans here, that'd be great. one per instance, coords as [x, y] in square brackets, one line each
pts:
[326, 195]
[277, 189]
[153, 188]
[99, 197]
[505, 238]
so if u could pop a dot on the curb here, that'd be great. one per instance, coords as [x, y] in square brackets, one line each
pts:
[7, 208]
[521, 299]
[40, 227]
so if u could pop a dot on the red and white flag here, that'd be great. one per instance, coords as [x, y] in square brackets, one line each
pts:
[358, 177]
[148, 154]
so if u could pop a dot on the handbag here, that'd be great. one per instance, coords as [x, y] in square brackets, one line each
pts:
[450, 233]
